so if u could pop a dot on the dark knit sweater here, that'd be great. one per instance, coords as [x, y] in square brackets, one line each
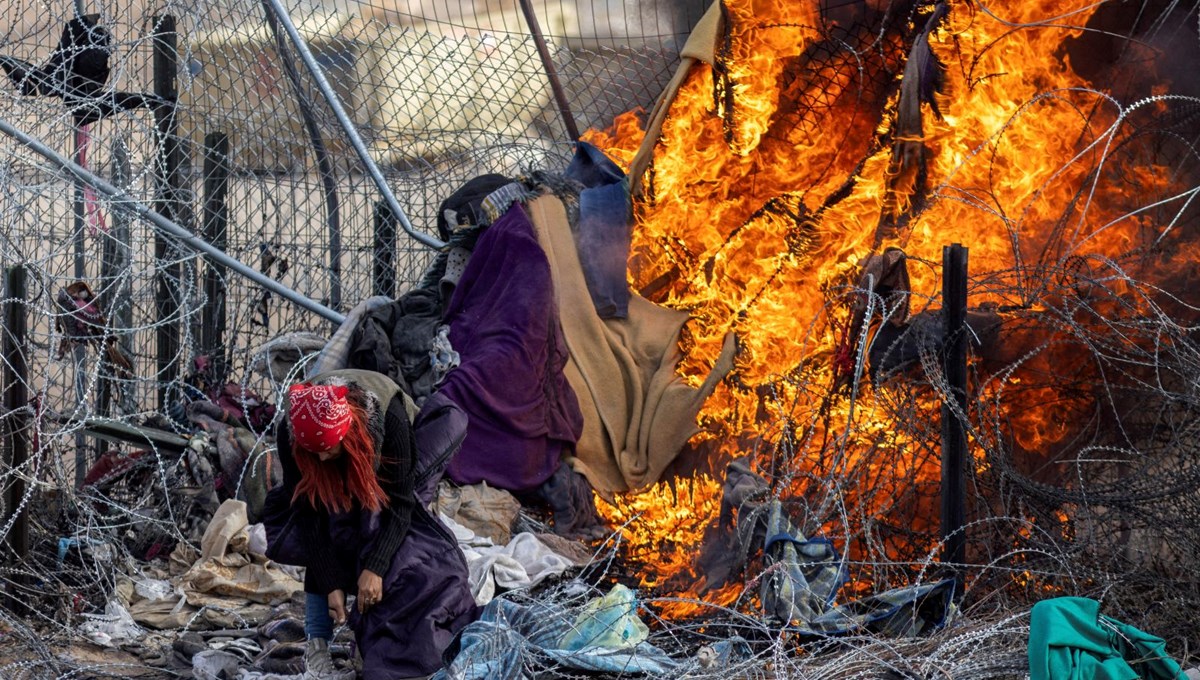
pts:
[328, 568]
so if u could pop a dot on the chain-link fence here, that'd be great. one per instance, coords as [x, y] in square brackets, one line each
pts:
[261, 169]
[813, 166]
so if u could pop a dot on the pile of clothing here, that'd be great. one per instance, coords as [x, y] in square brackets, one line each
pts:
[526, 322]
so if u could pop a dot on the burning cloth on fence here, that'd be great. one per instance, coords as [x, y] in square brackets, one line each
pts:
[801, 576]
[637, 413]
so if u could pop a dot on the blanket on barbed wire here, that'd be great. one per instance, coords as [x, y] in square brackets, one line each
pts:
[637, 412]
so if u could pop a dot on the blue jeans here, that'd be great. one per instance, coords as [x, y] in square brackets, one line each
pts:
[318, 624]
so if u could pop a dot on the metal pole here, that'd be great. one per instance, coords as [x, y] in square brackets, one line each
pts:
[16, 401]
[114, 264]
[351, 131]
[324, 163]
[122, 201]
[954, 436]
[216, 224]
[78, 210]
[170, 284]
[79, 349]
[384, 277]
[117, 257]
[560, 95]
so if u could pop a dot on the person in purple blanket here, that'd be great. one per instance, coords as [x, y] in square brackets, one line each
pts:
[348, 512]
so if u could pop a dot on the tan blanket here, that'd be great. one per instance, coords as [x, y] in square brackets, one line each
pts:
[637, 413]
[224, 586]
[227, 569]
[700, 47]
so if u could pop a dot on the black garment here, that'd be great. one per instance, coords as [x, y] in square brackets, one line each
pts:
[395, 339]
[464, 206]
[569, 496]
[77, 71]
[78, 66]
[332, 567]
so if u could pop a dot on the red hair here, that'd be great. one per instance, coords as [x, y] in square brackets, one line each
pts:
[323, 484]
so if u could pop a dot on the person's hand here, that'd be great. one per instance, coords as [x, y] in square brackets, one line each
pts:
[337, 606]
[370, 589]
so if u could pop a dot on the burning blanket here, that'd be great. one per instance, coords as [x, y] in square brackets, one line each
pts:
[637, 413]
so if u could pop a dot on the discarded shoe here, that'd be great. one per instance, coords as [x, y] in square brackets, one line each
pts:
[318, 663]
[245, 648]
[284, 658]
[283, 630]
[188, 644]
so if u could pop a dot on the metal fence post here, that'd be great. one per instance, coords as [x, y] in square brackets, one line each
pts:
[325, 166]
[168, 180]
[384, 271]
[116, 260]
[560, 95]
[360, 148]
[954, 437]
[216, 224]
[16, 401]
[79, 357]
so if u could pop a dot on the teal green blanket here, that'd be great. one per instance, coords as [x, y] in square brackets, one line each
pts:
[1070, 640]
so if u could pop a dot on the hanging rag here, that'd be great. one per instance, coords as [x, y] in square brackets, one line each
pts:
[604, 229]
[77, 71]
[522, 413]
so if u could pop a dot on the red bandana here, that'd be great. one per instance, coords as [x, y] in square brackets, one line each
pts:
[320, 415]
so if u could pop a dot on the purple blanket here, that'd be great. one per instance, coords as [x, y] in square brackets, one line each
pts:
[426, 597]
[522, 412]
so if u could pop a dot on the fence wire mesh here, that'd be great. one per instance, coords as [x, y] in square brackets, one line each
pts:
[1080, 414]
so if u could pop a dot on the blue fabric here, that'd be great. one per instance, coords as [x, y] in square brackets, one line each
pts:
[806, 574]
[508, 638]
[603, 233]
[318, 624]
[609, 621]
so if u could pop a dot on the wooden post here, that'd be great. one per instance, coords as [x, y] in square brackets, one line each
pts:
[16, 401]
[384, 275]
[216, 224]
[166, 203]
[954, 437]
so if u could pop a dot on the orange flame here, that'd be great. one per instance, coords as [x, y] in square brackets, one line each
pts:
[762, 206]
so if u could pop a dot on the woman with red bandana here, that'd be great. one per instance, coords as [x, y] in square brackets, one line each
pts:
[347, 511]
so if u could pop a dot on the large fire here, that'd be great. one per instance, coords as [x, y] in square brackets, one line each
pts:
[778, 174]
